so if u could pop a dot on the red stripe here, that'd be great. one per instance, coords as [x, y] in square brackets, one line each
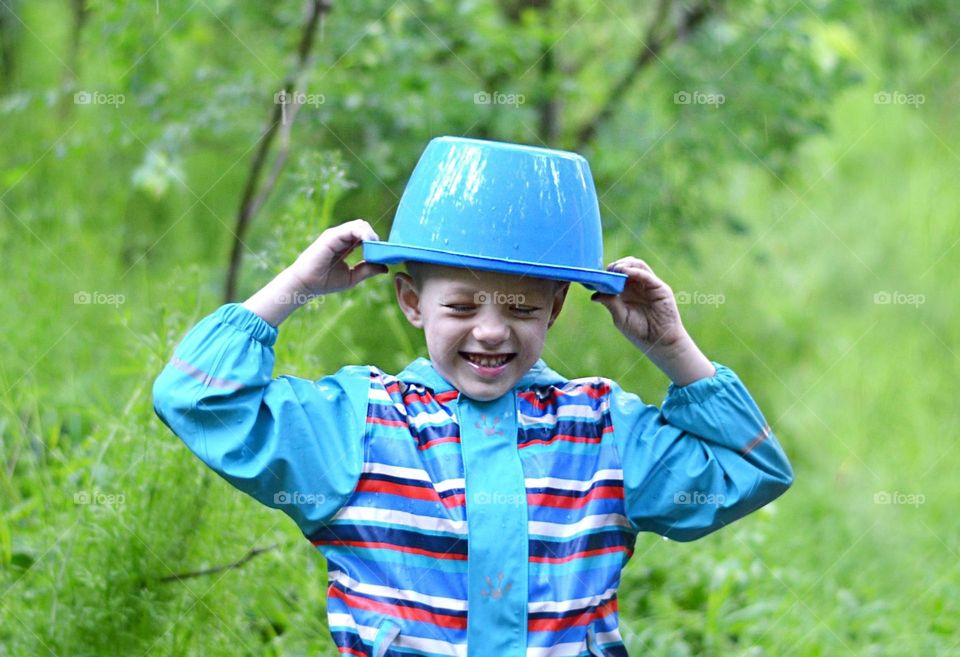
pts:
[453, 500]
[403, 490]
[411, 397]
[386, 423]
[579, 555]
[565, 502]
[556, 624]
[444, 397]
[437, 441]
[564, 437]
[409, 491]
[351, 651]
[535, 401]
[408, 613]
[372, 545]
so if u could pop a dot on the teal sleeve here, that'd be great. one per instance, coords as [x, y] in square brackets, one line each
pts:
[704, 459]
[291, 443]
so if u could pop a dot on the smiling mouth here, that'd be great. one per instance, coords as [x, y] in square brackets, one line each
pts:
[487, 360]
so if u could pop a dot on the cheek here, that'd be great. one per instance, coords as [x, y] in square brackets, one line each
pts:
[533, 334]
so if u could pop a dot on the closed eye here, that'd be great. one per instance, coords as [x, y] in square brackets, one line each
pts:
[459, 307]
[525, 310]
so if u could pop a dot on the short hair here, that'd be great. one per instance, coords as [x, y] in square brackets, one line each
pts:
[417, 271]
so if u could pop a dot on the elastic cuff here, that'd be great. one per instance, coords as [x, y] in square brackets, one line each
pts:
[703, 389]
[247, 321]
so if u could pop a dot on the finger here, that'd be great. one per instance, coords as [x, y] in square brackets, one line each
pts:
[613, 303]
[364, 270]
[366, 230]
[643, 276]
[346, 241]
[630, 261]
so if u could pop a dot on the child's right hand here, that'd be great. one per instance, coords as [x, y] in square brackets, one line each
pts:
[321, 268]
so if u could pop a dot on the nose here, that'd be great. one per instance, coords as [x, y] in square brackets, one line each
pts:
[491, 328]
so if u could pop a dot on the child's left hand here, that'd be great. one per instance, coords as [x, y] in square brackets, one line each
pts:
[646, 311]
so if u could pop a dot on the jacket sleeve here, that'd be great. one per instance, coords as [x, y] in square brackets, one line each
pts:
[704, 459]
[291, 443]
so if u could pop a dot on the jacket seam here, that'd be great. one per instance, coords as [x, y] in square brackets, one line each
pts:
[616, 450]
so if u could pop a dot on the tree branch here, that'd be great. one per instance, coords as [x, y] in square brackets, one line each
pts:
[254, 196]
[652, 46]
[218, 569]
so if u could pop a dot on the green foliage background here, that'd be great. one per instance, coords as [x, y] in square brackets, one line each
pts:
[810, 219]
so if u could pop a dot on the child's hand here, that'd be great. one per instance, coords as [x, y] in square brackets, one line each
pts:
[321, 267]
[646, 313]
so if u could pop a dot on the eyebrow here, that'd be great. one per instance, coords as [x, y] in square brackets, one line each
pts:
[448, 296]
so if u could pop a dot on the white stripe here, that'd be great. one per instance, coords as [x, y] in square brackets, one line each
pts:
[380, 395]
[413, 473]
[559, 650]
[396, 471]
[402, 519]
[423, 418]
[558, 530]
[442, 603]
[567, 411]
[574, 484]
[570, 605]
[369, 635]
[449, 484]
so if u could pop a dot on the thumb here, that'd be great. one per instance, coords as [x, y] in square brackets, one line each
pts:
[611, 302]
[364, 270]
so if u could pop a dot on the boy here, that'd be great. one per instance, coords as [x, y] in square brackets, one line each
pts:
[477, 503]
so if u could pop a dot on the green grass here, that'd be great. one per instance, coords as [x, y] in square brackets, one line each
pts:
[861, 395]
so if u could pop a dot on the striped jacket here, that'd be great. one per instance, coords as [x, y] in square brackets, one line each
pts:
[448, 522]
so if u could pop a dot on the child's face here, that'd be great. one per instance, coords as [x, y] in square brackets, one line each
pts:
[465, 313]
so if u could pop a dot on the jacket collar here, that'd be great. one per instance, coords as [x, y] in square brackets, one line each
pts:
[421, 371]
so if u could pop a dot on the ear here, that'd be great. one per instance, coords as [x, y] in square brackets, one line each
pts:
[408, 296]
[559, 296]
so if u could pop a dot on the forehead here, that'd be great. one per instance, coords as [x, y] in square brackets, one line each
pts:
[453, 280]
